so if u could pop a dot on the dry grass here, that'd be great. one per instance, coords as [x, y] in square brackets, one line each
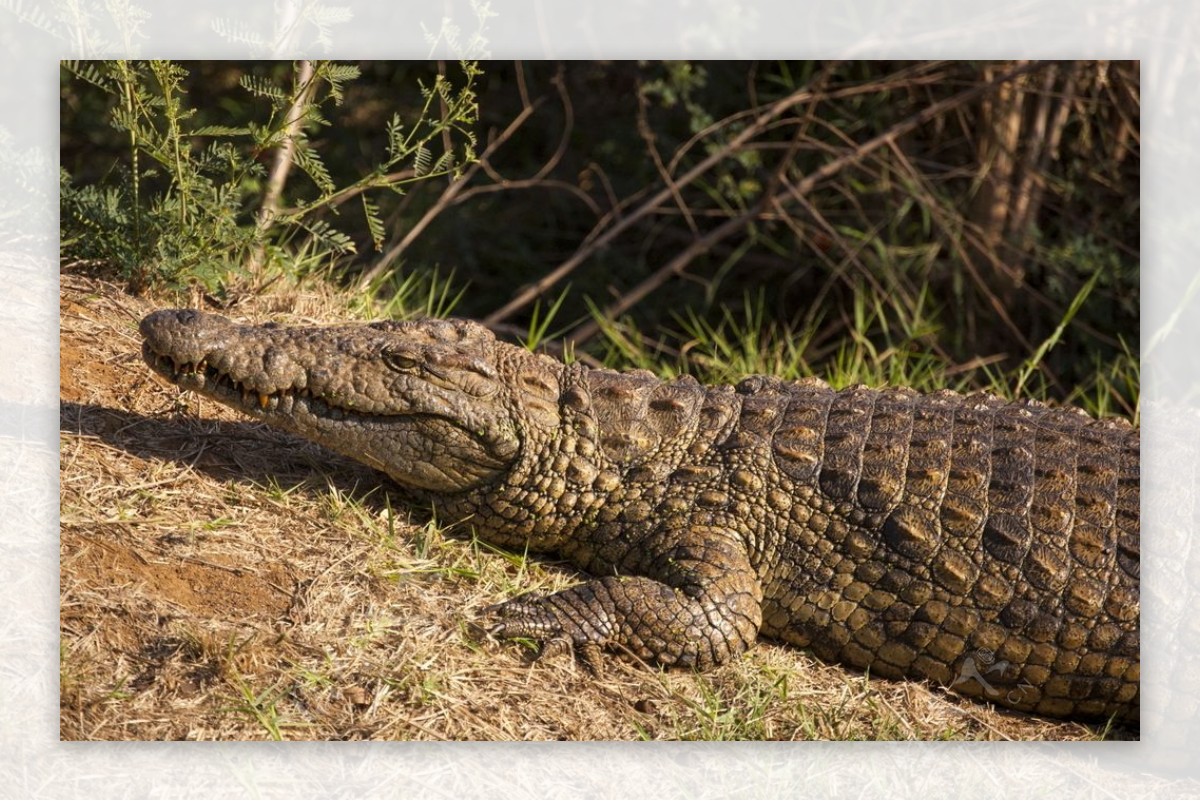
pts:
[220, 580]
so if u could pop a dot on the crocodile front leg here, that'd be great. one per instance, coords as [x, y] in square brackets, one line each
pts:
[693, 605]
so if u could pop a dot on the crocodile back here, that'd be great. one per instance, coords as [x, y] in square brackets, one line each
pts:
[988, 546]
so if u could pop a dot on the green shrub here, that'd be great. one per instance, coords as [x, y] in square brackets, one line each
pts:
[202, 195]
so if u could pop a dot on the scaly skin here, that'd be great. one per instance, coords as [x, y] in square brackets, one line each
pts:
[985, 546]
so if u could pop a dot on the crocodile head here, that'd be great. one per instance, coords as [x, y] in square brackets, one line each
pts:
[423, 401]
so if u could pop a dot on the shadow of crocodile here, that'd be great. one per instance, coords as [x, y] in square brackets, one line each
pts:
[242, 451]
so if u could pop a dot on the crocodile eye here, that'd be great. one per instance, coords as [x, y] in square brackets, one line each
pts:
[400, 362]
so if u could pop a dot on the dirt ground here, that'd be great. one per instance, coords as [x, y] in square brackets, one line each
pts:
[221, 580]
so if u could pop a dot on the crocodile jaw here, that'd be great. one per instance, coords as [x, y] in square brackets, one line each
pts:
[329, 386]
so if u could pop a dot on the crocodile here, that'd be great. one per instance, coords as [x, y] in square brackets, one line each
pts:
[986, 546]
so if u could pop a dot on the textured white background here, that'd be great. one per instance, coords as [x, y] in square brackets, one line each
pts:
[34, 35]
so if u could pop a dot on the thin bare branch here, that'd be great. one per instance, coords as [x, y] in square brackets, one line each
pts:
[568, 125]
[679, 264]
[530, 183]
[643, 129]
[815, 92]
[703, 244]
[352, 191]
[530, 293]
[535, 290]
[964, 238]
[1024, 210]
[522, 89]
[282, 164]
[673, 268]
[609, 192]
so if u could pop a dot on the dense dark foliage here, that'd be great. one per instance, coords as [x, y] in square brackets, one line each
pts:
[954, 209]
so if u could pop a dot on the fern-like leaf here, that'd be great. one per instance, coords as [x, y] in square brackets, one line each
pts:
[219, 130]
[88, 71]
[397, 148]
[237, 32]
[421, 161]
[328, 238]
[445, 163]
[340, 73]
[307, 159]
[374, 222]
[261, 87]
